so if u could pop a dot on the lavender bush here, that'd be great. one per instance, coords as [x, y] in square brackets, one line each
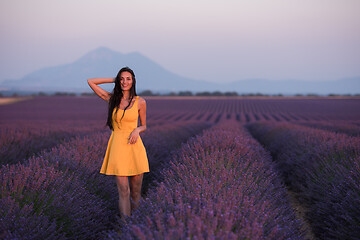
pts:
[322, 168]
[349, 128]
[220, 185]
[20, 222]
[160, 141]
[39, 200]
[19, 142]
[61, 192]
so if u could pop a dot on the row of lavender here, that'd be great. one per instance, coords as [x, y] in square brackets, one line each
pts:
[21, 140]
[220, 185]
[347, 127]
[323, 169]
[60, 194]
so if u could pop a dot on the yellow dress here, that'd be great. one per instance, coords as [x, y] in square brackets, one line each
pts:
[121, 158]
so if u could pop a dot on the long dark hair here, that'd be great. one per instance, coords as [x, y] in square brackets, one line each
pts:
[117, 94]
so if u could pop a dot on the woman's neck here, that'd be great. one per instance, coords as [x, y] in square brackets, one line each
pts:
[126, 94]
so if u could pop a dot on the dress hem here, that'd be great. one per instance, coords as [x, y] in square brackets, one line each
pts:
[124, 175]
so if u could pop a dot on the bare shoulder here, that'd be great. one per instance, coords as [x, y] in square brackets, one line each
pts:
[142, 100]
[141, 103]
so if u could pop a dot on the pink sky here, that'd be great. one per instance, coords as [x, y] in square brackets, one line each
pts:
[209, 40]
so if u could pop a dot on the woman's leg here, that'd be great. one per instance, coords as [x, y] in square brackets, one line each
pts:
[124, 195]
[135, 185]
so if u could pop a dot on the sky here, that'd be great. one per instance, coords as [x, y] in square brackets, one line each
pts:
[212, 40]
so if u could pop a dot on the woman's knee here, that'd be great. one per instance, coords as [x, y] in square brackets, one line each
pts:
[123, 187]
[136, 183]
[124, 191]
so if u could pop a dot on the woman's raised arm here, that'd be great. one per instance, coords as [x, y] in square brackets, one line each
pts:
[94, 82]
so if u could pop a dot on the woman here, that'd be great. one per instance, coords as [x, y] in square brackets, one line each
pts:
[125, 155]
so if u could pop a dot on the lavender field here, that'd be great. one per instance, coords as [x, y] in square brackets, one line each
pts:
[220, 168]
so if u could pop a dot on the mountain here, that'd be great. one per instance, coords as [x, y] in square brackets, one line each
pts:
[104, 62]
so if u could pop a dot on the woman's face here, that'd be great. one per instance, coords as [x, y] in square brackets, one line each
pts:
[126, 81]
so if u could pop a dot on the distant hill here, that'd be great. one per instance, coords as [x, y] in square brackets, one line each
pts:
[104, 62]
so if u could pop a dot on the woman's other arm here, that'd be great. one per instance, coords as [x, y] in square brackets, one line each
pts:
[94, 82]
[142, 114]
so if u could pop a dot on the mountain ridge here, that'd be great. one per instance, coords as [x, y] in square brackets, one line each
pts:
[104, 62]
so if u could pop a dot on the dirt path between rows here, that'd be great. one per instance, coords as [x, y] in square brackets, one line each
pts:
[9, 100]
[300, 212]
